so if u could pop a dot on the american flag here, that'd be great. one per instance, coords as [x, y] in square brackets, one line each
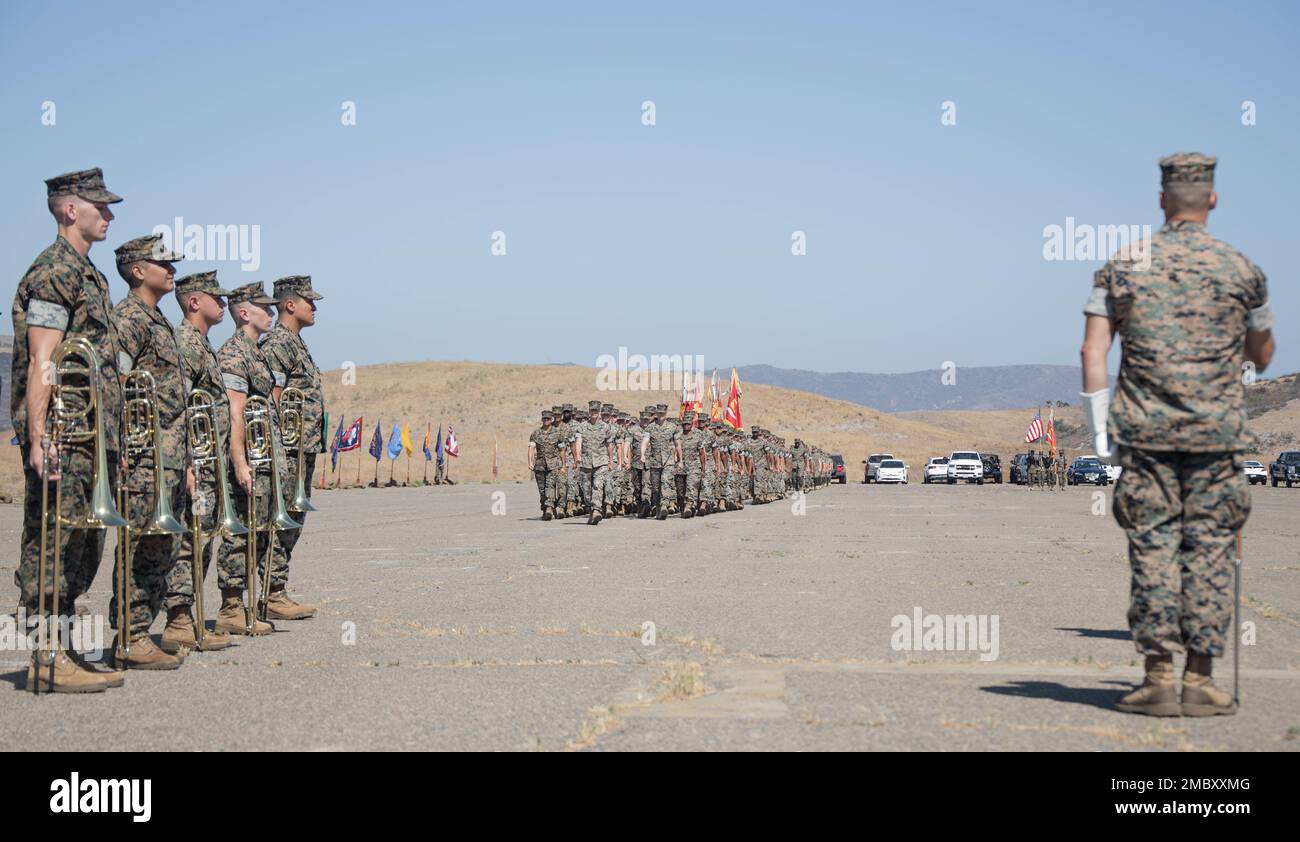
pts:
[1035, 431]
[452, 448]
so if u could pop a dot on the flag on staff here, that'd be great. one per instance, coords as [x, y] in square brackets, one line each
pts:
[437, 444]
[1051, 431]
[351, 439]
[377, 444]
[1035, 431]
[334, 446]
[394, 442]
[407, 447]
[428, 433]
[732, 415]
[453, 449]
[715, 409]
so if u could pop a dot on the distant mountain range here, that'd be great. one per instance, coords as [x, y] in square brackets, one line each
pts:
[981, 387]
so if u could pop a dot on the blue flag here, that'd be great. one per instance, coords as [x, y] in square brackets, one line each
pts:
[438, 446]
[395, 442]
[377, 443]
[334, 446]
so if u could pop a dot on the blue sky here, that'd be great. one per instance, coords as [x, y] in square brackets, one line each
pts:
[924, 241]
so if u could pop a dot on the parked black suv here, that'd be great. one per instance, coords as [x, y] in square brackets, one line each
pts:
[837, 469]
[992, 467]
[1019, 473]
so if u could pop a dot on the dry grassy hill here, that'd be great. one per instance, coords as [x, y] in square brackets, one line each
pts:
[500, 403]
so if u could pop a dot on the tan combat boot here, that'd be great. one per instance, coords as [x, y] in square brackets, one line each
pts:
[180, 633]
[112, 676]
[231, 618]
[1200, 696]
[280, 607]
[144, 655]
[1157, 696]
[69, 677]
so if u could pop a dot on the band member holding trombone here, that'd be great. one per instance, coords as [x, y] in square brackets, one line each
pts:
[203, 305]
[155, 449]
[302, 409]
[246, 375]
[64, 297]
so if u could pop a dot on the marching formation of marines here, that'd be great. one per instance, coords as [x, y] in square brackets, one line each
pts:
[604, 463]
[128, 421]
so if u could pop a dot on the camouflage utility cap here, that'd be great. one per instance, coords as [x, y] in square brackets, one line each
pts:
[250, 292]
[148, 247]
[88, 184]
[299, 285]
[1187, 168]
[200, 282]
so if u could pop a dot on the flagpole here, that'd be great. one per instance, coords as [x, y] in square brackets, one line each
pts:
[408, 469]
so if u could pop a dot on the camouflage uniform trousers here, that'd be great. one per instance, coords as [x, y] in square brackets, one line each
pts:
[282, 553]
[594, 481]
[708, 481]
[692, 482]
[545, 487]
[1181, 512]
[180, 582]
[152, 556]
[613, 482]
[653, 483]
[638, 484]
[668, 488]
[81, 549]
[625, 486]
[231, 554]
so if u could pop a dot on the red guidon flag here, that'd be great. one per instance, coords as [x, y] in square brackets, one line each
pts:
[1051, 431]
[732, 415]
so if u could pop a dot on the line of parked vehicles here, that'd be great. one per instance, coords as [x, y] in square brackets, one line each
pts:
[971, 466]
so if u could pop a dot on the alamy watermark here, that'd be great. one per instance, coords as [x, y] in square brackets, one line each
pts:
[1085, 242]
[641, 373]
[82, 633]
[214, 242]
[920, 632]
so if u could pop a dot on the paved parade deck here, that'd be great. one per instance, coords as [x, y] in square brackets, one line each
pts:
[476, 630]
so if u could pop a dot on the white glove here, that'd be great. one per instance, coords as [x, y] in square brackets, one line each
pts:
[1096, 406]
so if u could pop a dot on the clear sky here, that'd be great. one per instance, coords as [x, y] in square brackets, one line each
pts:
[924, 241]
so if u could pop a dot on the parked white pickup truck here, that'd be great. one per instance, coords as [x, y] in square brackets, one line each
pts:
[965, 464]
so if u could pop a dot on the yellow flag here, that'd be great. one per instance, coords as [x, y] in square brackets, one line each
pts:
[406, 439]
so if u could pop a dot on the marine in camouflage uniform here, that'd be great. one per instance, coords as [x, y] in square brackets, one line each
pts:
[1060, 470]
[147, 343]
[659, 462]
[640, 473]
[596, 444]
[246, 373]
[544, 458]
[570, 477]
[694, 451]
[709, 476]
[62, 291]
[292, 364]
[1190, 312]
[201, 371]
[609, 417]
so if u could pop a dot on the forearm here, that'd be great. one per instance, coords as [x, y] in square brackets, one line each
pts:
[37, 400]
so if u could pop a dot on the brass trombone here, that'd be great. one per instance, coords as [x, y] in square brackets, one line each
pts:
[208, 449]
[259, 443]
[293, 433]
[72, 404]
[142, 433]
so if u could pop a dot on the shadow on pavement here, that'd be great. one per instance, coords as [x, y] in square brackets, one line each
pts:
[1097, 697]
[1106, 634]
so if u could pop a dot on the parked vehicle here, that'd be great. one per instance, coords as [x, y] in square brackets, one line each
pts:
[837, 469]
[1087, 469]
[1255, 472]
[965, 464]
[891, 471]
[1286, 468]
[871, 463]
[936, 470]
[1019, 473]
[992, 467]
